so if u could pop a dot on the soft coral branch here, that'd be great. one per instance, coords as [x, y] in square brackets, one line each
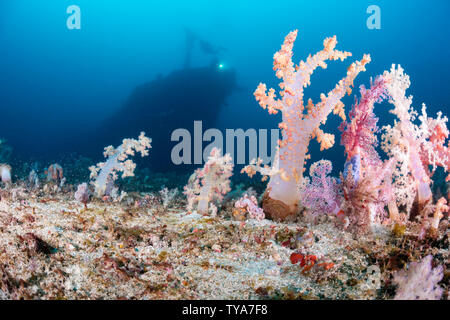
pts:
[414, 147]
[300, 122]
[359, 133]
[369, 187]
[105, 173]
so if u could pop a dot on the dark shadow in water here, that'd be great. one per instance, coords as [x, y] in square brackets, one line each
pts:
[165, 104]
[157, 107]
[168, 103]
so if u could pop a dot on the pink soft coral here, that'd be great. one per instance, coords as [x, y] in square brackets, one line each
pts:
[301, 121]
[363, 162]
[364, 200]
[434, 152]
[250, 205]
[415, 147]
[359, 133]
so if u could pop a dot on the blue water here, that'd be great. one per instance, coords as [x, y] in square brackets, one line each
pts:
[55, 82]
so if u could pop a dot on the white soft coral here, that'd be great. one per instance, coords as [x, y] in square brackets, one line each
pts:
[300, 121]
[105, 173]
[209, 183]
[413, 146]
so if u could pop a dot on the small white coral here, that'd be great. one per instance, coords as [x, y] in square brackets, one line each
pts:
[420, 281]
[5, 173]
[105, 173]
[168, 196]
[209, 183]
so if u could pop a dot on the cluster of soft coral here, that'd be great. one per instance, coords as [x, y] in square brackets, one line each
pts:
[416, 148]
[209, 184]
[368, 184]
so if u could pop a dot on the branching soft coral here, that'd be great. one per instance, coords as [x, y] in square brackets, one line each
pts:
[321, 194]
[300, 122]
[365, 200]
[359, 133]
[415, 147]
[433, 151]
[105, 173]
[210, 183]
[420, 281]
[5, 173]
[82, 194]
[363, 162]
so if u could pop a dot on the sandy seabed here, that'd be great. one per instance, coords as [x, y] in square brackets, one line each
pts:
[53, 247]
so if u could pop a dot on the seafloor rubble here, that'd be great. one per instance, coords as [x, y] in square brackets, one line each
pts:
[148, 247]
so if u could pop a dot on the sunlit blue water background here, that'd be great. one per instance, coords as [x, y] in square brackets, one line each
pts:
[54, 81]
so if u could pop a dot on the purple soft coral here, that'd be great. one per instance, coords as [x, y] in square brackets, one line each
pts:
[83, 194]
[321, 194]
